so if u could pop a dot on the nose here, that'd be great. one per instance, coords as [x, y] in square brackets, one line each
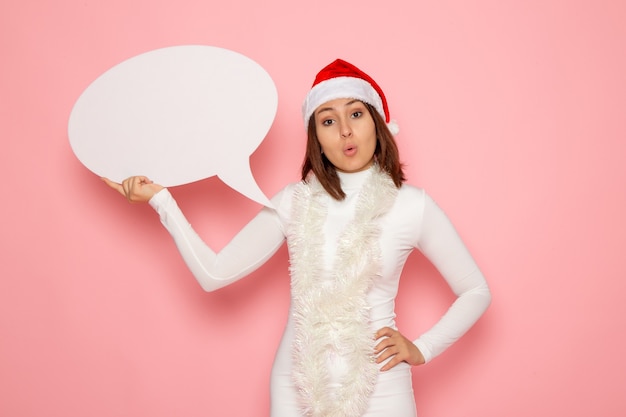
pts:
[346, 130]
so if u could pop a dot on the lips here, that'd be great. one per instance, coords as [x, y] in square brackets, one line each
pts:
[349, 150]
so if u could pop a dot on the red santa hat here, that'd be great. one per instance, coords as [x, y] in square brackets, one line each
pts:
[340, 79]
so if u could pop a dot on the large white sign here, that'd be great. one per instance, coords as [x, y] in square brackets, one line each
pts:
[177, 115]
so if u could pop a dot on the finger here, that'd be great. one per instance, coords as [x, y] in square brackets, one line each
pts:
[132, 187]
[386, 354]
[385, 331]
[127, 185]
[141, 180]
[397, 355]
[386, 343]
[393, 362]
[114, 185]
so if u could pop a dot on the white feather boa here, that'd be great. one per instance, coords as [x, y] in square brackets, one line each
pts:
[331, 316]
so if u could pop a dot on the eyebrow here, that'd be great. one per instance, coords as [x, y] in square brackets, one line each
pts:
[323, 109]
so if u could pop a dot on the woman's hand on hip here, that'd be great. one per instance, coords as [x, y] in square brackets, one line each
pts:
[138, 189]
[394, 345]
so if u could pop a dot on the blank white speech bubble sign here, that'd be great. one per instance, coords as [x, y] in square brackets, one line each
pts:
[176, 115]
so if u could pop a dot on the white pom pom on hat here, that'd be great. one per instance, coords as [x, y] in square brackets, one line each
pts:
[340, 79]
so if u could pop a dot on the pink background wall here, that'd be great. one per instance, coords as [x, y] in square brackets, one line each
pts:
[512, 116]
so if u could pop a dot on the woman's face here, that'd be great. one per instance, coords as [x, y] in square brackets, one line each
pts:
[347, 134]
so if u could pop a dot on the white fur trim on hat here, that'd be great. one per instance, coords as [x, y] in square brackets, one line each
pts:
[340, 87]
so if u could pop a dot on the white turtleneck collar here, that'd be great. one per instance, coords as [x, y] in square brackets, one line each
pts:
[351, 181]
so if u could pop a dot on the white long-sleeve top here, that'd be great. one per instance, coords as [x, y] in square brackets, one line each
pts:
[414, 222]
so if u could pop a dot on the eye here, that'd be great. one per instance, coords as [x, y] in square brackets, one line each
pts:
[327, 122]
[357, 114]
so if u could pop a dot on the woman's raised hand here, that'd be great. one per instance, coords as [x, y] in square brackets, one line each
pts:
[138, 189]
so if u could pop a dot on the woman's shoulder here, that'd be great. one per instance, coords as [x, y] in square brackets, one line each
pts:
[413, 199]
[283, 198]
[409, 193]
[287, 191]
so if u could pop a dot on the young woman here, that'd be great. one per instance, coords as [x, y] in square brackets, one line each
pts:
[350, 225]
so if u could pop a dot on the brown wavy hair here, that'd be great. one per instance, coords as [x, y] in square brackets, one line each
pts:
[386, 155]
